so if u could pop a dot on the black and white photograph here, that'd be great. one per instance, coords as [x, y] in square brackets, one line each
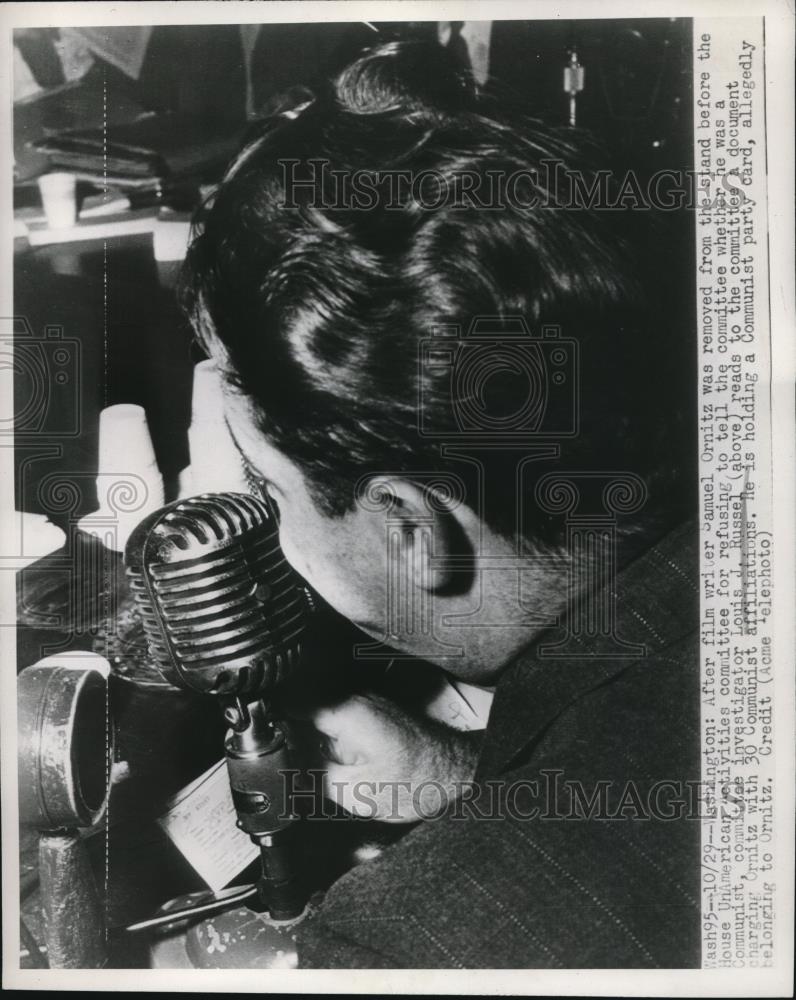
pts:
[396, 559]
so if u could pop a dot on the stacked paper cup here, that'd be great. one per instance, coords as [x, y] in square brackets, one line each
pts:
[216, 466]
[129, 484]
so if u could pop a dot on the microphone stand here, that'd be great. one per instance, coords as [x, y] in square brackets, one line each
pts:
[257, 757]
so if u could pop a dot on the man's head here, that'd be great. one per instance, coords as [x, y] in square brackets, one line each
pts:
[351, 237]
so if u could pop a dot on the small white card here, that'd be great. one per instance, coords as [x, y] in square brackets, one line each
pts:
[201, 823]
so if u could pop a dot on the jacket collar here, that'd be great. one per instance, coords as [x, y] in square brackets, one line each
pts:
[655, 602]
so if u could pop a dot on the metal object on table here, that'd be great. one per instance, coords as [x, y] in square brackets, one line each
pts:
[574, 80]
[64, 753]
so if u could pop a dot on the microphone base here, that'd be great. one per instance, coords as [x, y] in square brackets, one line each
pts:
[234, 939]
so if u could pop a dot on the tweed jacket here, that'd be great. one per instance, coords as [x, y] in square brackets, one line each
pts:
[580, 847]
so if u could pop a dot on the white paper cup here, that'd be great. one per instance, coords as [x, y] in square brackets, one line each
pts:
[129, 484]
[216, 466]
[59, 198]
[125, 444]
[207, 400]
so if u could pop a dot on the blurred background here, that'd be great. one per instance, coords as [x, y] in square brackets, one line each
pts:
[144, 119]
[635, 85]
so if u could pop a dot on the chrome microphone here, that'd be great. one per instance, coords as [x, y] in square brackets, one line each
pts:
[222, 609]
[224, 613]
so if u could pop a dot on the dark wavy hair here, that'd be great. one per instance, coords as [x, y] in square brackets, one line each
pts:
[322, 308]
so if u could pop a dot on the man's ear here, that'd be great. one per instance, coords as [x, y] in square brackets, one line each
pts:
[425, 532]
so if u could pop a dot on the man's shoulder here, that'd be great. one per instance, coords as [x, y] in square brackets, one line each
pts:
[598, 875]
[583, 854]
[646, 714]
[628, 657]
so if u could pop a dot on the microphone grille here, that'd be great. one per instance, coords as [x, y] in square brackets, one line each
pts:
[222, 608]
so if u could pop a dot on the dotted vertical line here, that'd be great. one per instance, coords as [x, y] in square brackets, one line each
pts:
[106, 567]
[105, 242]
